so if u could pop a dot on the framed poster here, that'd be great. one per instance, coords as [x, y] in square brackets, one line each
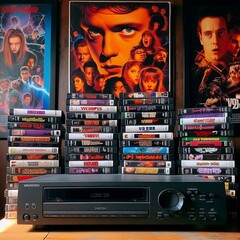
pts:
[27, 56]
[113, 44]
[212, 57]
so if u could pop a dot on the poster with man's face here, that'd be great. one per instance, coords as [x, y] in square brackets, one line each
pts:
[212, 57]
[25, 58]
[110, 43]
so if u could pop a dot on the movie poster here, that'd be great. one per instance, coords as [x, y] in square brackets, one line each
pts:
[25, 58]
[212, 57]
[113, 46]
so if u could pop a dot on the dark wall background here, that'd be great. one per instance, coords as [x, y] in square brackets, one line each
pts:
[62, 73]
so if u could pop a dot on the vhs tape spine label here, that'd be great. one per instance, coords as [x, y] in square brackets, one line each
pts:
[144, 170]
[144, 95]
[205, 163]
[136, 115]
[91, 157]
[37, 112]
[207, 170]
[207, 120]
[142, 108]
[36, 132]
[94, 102]
[91, 115]
[126, 163]
[99, 163]
[203, 110]
[91, 136]
[91, 108]
[148, 128]
[16, 118]
[34, 150]
[204, 150]
[210, 156]
[138, 150]
[162, 135]
[147, 101]
[34, 163]
[146, 143]
[146, 157]
[90, 96]
[33, 170]
[87, 122]
[91, 170]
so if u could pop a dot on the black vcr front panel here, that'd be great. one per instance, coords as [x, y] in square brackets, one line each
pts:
[117, 199]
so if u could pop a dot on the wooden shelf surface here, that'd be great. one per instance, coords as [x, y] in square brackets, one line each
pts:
[9, 229]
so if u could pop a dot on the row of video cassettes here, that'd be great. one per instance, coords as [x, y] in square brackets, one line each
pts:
[34, 146]
[91, 133]
[206, 147]
[146, 144]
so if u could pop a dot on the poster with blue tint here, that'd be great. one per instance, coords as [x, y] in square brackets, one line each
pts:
[27, 57]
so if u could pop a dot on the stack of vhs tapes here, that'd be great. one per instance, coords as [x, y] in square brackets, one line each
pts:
[34, 149]
[146, 144]
[205, 147]
[91, 136]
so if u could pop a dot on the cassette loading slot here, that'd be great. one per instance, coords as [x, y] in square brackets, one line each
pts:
[96, 214]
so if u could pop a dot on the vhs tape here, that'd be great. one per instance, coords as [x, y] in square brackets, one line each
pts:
[148, 121]
[90, 156]
[91, 150]
[92, 129]
[144, 95]
[126, 163]
[32, 157]
[146, 157]
[32, 139]
[75, 143]
[146, 108]
[147, 128]
[34, 119]
[35, 132]
[140, 115]
[223, 178]
[95, 163]
[146, 101]
[33, 144]
[91, 122]
[207, 143]
[89, 170]
[202, 127]
[91, 136]
[205, 150]
[206, 133]
[204, 110]
[91, 115]
[207, 171]
[33, 150]
[24, 125]
[10, 178]
[203, 120]
[33, 170]
[106, 109]
[154, 136]
[91, 102]
[145, 170]
[208, 156]
[35, 112]
[90, 96]
[34, 163]
[206, 163]
[146, 143]
[148, 150]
